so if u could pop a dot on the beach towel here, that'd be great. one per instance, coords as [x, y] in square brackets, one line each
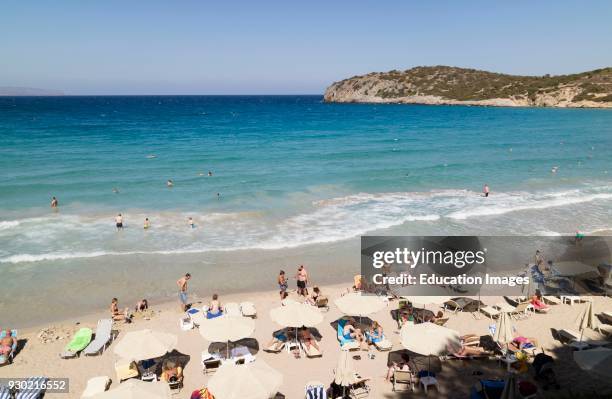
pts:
[81, 339]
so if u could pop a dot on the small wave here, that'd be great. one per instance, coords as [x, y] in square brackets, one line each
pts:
[8, 224]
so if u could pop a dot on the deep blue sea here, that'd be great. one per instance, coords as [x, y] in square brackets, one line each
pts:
[289, 171]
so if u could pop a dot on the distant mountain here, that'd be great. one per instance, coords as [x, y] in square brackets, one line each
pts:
[452, 85]
[28, 91]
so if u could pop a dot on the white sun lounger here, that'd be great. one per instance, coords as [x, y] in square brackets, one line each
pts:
[310, 351]
[232, 309]
[607, 317]
[552, 300]
[103, 337]
[95, 386]
[490, 311]
[33, 393]
[248, 309]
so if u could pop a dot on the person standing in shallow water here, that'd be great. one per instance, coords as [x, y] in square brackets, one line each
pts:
[485, 190]
[119, 222]
[54, 203]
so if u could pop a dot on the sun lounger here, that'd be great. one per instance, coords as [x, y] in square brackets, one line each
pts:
[232, 309]
[322, 303]
[315, 390]
[345, 343]
[125, 369]
[551, 300]
[275, 347]
[606, 317]
[383, 345]
[33, 390]
[186, 323]
[490, 311]
[80, 341]
[95, 386]
[402, 377]
[441, 322]
[310, 351]
[103, 337]
[569, 335]
[359, 388]
[522, 310]
[210, 363]
[248, 309]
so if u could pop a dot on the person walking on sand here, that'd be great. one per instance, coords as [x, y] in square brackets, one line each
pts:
[302, 280]
[485, 190]
[182, 285]
[119, 222]
[54, 203]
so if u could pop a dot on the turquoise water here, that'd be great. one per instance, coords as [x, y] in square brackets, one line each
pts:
[290, 171]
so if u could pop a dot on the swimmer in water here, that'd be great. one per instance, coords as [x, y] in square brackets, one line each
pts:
[218, 195]
[485, 190]
[119, 222]
[147, 224]
[554, 169]
[115, 190]
[190, 221]
[209, 173]
[54, 203]
[169, 183]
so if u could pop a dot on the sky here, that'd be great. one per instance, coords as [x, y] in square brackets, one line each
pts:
[286, 47]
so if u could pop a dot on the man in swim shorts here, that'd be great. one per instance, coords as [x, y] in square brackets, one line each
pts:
[182, 284]
[302, 279]
[119, 222]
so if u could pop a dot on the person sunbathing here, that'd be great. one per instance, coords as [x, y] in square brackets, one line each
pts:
[519, 343]
[307, 338]
[214, 308]
[538, 304]
[351, 332]
[467, 351]
[116, 314]
[375, 333]
[171, 372]
[278, 341]
[402, 365]
[6, 343]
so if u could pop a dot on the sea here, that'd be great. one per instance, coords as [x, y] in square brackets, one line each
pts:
[292, 179]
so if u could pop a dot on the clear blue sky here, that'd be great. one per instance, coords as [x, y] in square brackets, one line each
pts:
[286, 47]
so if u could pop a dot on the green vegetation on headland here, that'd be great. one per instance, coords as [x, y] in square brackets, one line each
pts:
[451, 85]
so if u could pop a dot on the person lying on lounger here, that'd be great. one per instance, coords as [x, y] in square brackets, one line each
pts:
[467, 351]
[278, 340]
[171, 372]
[375, 333]
[6, 343]
[307, 338]
[538, 303]
[214, 308]
[519, 343]
[402, 365]
[351, 332]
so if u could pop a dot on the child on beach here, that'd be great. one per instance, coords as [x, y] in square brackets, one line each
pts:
[118, 316]
[142, 305]
[214, 308]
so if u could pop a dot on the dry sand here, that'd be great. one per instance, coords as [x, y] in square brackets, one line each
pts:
[456, 378]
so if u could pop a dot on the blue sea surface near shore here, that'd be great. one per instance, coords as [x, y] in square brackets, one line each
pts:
[290, 171]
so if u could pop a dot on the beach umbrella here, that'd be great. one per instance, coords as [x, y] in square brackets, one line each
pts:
[356, 304]
[255, 380]
[587, 319]
[144, 344]
[427, 300]
[503, 329]
[296, 315]
[137, 389]
[597, 361]
[344, 375]
[226, 328]
[429, 339]
[510, 391]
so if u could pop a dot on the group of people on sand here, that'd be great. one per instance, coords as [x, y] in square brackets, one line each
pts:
[302, 282]
[371, 335]
[125, 315]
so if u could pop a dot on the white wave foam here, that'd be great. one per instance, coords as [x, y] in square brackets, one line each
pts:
[8, 224]
[55, 238]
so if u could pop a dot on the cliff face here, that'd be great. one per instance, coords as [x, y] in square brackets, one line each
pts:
[450, 85]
